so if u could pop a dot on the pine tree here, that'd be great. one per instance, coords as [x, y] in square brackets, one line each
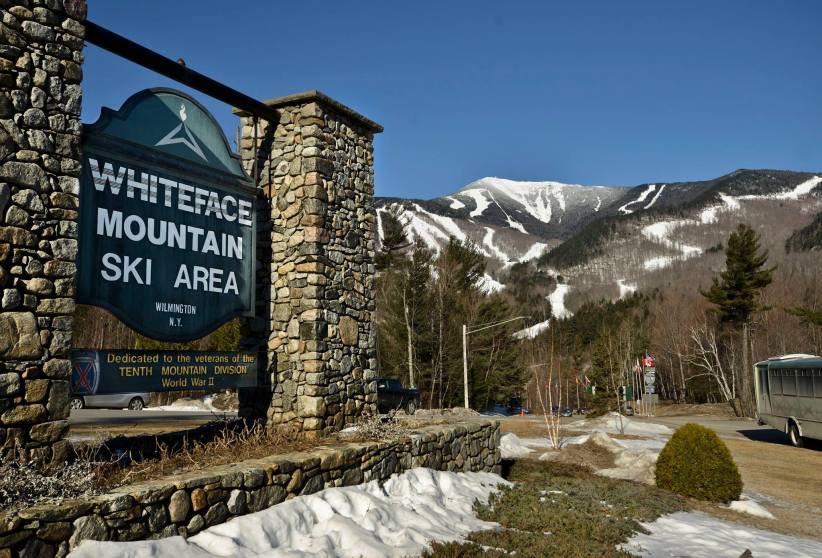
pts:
[736, 292]
[394, 239]
[808, 316]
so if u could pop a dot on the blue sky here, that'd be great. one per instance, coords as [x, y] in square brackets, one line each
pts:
[593, 92]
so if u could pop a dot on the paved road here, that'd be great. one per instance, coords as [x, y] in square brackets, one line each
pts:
[88, 424]
[726, 428]
[102, 417]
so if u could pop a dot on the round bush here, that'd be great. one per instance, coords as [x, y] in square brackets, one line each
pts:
[697, 464]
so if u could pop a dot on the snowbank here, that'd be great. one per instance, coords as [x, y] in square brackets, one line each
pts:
[697, 535]
[633, 459]
[512, 446]
[190, 404]
[399, 518]
[610, 423]
[751, 507]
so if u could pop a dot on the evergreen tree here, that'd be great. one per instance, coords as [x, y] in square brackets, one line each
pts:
[808, 316]
[394, 241]
[736, 292]
[737, 296]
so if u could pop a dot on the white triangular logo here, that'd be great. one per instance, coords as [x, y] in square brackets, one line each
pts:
[188, 140]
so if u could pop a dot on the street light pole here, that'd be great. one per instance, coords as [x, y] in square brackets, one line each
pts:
[465, 363]
[465, 332]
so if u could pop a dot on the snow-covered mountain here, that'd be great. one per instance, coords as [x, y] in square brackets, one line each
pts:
[508, 220]
[608, 242]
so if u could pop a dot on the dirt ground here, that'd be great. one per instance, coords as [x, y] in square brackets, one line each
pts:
[719, 410]
[786, 480]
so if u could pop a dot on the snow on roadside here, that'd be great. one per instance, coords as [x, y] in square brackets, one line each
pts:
[398, 518]
[200, 404]
[698, 535]
[610, 423]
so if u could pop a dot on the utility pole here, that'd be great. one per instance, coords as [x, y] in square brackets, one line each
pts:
[465, 333]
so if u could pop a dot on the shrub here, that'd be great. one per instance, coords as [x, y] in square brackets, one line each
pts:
[697, 464]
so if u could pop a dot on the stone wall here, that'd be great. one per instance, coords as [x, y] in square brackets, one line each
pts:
[41, 52]
[187, 503]
[315, 170]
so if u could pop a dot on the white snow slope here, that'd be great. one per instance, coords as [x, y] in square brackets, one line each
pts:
[399, 518]
[661, 231]
[542, 200]
[697, 535]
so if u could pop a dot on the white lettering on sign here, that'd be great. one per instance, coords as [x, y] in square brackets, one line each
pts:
[208, 279]
[166, 233]
[126, 269]
[185, 197]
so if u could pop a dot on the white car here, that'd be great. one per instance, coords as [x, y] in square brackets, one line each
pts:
[134, 401]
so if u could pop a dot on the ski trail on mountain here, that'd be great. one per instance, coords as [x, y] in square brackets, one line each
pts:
[660, 232]
[642, 197]
[511, 223]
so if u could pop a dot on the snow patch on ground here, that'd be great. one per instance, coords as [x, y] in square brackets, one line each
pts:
[488, 242]
[513, 447]
[489, 285]
[535, 251]
[697, 535]
[515, 225]
[479, 199]
[446, 223]
[189, 404]
[455, 203]
[611, 423]
[533, 331]
[420, 229]
[751, 507]
[557, 300]
[625, 289]
[660, 262]
[399, 518]
[634, 460]
[380, 232]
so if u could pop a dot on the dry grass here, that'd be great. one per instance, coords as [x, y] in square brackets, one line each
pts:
[229, 445]
[718, 410]
[787, 480]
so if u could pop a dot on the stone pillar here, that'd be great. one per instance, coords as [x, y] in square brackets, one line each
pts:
[316, 286]
[41, 53]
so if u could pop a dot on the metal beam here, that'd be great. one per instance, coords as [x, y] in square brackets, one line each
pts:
[154, 61]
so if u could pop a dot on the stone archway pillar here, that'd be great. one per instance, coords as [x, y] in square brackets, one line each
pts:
[41, 55]
[315, 297]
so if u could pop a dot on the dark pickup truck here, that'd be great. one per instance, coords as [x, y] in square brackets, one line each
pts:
[392, 396]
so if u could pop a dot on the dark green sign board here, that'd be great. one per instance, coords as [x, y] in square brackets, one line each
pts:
[167, 219]
[122, 371]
